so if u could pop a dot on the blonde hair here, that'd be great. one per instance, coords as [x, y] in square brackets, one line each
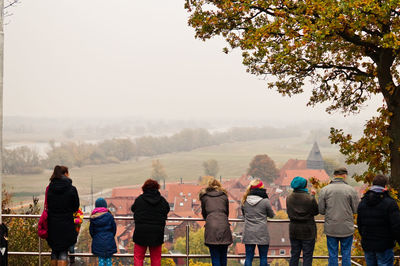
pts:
[253, 182]
[213, 184]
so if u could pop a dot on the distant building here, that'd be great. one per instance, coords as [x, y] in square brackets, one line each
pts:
[314, 159]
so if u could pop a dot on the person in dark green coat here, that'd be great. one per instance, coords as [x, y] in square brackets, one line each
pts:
[301, 209]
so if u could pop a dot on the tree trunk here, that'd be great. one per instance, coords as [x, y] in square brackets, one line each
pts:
[394, 134]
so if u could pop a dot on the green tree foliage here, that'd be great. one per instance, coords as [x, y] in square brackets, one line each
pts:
[263, 167]
[158, 172]
[211, 167]
[24, 160]
[22, 233]
[347, 50]
[21, 160]
[196, 245]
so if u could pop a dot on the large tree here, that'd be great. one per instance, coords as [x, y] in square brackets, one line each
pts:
[344, 51]
[263, 167]
[211, 167]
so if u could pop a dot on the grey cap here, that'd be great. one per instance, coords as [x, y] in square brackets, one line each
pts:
[340, 171]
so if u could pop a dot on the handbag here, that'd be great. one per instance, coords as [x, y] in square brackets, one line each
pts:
[43, 230]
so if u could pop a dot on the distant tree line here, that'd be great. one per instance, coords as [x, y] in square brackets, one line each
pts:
[24, 160]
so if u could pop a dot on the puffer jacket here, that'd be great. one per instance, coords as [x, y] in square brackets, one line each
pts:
[150, 210]
[338, 201]
[301, 209]
[256, 209]
[102, 230]
[215, 210]
[378, 221]
[62, 202]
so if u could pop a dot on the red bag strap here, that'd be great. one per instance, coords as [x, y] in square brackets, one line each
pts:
[45, 198]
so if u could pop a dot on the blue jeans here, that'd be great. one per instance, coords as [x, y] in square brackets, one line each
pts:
[345, 248]
[262, 250]
[218, 254]
[384, 258]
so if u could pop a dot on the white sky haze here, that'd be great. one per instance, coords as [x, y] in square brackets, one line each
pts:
[131, 58]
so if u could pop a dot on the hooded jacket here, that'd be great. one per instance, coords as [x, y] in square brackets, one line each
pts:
[150, 210]
[301, 209]
[102, 230]
[378, 221]
[62, 202]
[215, 210]
[255, 210]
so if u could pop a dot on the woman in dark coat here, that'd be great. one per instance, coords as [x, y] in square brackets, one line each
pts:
[62, 202]
[301, 209]
[215, 210]
[102, 230]
[150, 211]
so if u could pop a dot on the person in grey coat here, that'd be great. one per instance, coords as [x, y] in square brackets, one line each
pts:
[256, 207]
[301, 209]
[338, 201]
[215, 210]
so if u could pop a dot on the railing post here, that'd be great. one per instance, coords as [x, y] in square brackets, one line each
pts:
[40, 252]
[187, 243]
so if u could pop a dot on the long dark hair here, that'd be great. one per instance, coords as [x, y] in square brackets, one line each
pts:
[59, 171]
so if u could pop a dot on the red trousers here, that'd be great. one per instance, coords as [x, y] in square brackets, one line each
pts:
[139, 252]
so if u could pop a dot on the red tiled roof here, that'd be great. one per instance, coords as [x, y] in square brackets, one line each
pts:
[130, 191]
[176, 190]
[293, 164]
[122, 205]
[240, 249]
[288, 175]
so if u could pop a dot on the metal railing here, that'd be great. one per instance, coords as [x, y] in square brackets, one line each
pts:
[187, 255]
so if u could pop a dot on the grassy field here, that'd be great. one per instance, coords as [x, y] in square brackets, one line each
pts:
[233, 159]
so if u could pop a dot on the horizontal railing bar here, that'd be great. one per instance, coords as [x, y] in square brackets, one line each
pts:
[197, 256]
[189, 219]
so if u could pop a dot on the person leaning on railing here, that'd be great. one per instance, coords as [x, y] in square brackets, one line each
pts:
[301, 209]
[215, 210]
[378, 223]
[338, 201]
[150, 211]
[62, 202]
[256, 207]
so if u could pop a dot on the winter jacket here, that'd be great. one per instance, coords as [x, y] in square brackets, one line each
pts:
[215, 210]
[378, 221]
[150, 211]
[62, 202]
[338, 201]
[256, 209]
[301, 209]
[102, 230]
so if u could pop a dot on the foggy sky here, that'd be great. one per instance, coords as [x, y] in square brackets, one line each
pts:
[131, 58]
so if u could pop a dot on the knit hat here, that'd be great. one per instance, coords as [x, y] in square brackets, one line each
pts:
[299, 183]
[100, 202]
[258, 185]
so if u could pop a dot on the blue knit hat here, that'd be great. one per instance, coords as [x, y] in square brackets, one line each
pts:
[100, 202]
[299, 183]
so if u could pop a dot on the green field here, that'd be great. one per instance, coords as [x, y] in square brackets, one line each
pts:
[233, 159]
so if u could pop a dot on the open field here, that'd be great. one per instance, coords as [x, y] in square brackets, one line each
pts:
[233, 159]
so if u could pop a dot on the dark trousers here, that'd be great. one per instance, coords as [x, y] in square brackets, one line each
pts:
[218, 254]
[307, 246]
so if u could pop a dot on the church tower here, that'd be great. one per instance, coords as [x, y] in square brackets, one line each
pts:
[315, 160]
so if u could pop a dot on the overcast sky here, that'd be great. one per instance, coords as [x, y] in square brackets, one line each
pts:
[131, 58]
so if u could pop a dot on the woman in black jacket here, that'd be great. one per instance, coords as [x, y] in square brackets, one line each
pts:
[150, 211]
[62, 202]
